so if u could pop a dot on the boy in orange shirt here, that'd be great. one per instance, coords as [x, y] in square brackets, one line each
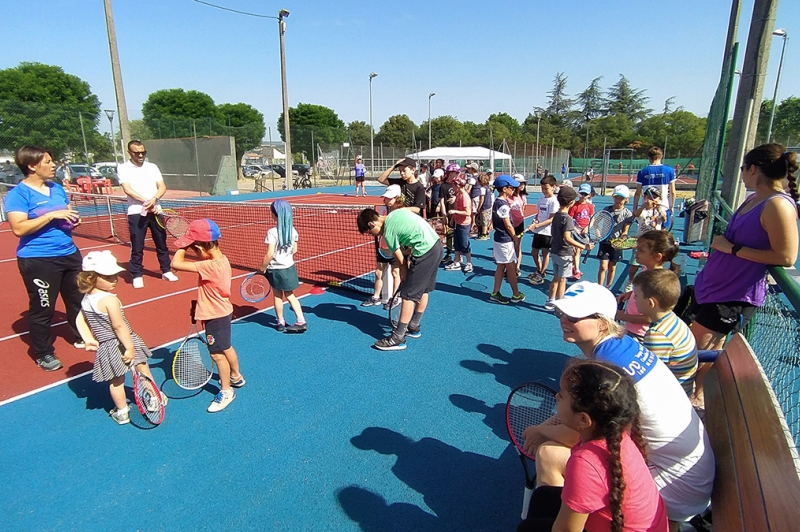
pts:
[214, 308]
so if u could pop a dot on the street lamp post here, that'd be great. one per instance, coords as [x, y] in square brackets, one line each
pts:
[371, 131]
[538, 120]
[282, 14]
[777, 33]
[431, 95]
[110, 115]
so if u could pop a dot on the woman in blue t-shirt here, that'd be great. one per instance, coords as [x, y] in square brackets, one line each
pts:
[40, 215]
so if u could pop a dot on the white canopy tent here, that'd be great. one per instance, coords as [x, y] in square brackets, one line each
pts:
[462, 153]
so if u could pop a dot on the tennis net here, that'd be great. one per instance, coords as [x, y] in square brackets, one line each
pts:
[331, 251]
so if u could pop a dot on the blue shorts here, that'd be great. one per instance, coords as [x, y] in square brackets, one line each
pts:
[461, 242]
[218, 334]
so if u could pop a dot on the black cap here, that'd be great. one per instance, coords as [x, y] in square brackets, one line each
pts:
[408, 161]
[566, 194]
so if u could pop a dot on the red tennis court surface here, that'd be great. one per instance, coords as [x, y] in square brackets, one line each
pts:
[330, 249]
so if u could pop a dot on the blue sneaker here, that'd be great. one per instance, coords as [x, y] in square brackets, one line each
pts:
[391, 343]
[413, 333]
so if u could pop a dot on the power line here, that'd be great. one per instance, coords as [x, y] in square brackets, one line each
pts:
[233, 10]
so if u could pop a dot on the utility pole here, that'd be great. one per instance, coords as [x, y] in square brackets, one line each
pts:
[283, 13]
[124, 127]
[749, 96]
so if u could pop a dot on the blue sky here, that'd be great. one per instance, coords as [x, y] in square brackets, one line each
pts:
[478, 57]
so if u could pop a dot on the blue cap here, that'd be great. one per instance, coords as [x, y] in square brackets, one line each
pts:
[585, 188]
[505, 180]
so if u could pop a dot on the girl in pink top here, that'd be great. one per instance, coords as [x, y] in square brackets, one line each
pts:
[653, 249]
[517, 203]
[607, 485]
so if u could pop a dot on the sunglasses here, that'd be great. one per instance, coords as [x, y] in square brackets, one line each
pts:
[138, 153]
[560, 314]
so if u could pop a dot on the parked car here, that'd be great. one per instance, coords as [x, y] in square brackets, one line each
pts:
[109, 171]
[250, 170]
[301, 170]
[78, 170]
[11, 174]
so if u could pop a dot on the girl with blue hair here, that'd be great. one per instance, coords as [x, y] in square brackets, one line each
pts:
[278, 265]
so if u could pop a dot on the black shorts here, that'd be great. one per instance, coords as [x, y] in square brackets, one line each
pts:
[218, 334]
[541, 241]
[606, 251]
[360, 178]
[421, 276]
[723, 318]
[520, 229]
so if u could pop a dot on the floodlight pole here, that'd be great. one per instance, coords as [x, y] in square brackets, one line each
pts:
[110, 115]
[538, 121]
[371, 131]
[431, 95]
[777, 33]
[282, 14]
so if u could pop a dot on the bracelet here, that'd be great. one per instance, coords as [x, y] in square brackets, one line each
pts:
[735, 249]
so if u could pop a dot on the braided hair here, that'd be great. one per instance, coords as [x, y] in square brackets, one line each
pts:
[663, 242]
[608, 396]
[776, 163]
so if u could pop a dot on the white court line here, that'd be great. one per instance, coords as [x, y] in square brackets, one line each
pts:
[124, 306]
[70, 379]
[81, 249]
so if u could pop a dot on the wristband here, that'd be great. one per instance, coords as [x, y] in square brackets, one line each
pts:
[735, 249]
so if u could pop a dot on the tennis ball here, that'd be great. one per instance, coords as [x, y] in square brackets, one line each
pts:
[319, 192]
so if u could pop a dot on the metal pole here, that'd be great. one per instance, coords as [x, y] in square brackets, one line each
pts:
[110, 115]
[83, 134]
[116, 72]
[538, 120]
[283, 13]
[371, 131]
[431, 95]
[779, 33]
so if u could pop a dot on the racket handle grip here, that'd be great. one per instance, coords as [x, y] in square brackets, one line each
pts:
[193, 309]
[526, 502]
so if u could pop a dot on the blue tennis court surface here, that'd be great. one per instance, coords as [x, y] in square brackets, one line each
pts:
[328, 433]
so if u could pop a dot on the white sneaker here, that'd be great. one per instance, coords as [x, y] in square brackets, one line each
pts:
[138, 282]
[169, 276]
[468, 268]
[629, 287]
[221, 401]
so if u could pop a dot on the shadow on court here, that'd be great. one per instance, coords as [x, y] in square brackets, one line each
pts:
[520, 365]
[456, 486]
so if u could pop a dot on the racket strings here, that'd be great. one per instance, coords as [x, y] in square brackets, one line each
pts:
[255, 288]
[189, 369]
[528, 407]
[177, 226]
[150, 402]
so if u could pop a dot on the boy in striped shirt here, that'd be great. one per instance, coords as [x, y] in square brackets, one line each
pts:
[656, 292]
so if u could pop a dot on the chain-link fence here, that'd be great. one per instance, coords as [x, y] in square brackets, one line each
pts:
[69, 131]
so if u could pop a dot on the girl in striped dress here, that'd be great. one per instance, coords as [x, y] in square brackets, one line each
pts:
[106, 331]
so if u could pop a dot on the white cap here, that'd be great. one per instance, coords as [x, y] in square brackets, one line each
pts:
[586, 299]
[519, 177]
[392, 191]
[438, 173]
[102, 262]
[622, 191]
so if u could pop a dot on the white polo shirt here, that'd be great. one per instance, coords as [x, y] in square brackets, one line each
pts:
[142, 179]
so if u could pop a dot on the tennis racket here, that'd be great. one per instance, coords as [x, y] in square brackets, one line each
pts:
[147, 395]
[175, 224]
[255, 287]
[439, 224]
[193, 366]
[394, 310]
[528, 404]
[624, 242]
[600, 226]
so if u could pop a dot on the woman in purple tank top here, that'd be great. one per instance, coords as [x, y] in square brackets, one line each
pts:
[762, 232]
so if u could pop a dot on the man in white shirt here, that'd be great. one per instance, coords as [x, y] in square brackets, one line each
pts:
[143, 184]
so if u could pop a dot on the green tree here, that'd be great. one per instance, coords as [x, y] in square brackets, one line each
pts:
[41, 104]
[172, 113]
[590, 101]
[445, 131]
[398, 130]
[244, 123]
[786, 128]
[625, 100]
[682, 131]
[312, 124]
[139, 130]
[558, 105]
[511, 124]
[359, 132]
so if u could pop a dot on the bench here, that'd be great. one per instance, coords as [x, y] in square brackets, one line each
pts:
[757, 484]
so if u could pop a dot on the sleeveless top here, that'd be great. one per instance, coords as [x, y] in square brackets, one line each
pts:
[108, 357]
[726, 278]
